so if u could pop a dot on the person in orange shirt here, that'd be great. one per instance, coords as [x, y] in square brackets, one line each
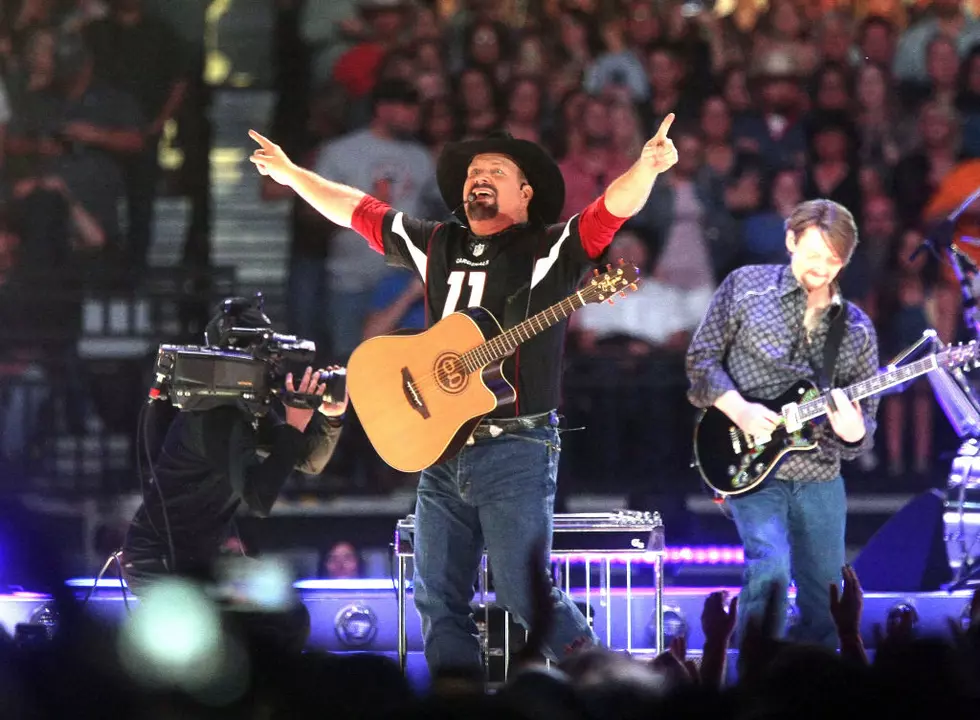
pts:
[962, 181]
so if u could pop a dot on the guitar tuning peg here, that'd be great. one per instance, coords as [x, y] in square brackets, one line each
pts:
[632, 286]
[622, 294]
[611, 302]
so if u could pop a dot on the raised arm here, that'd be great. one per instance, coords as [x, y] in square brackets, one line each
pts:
[334, 201]
[628, 193]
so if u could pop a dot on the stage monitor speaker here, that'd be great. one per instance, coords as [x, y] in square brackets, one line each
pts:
[908, 553]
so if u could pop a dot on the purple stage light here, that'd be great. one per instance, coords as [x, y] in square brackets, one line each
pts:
[680, 555]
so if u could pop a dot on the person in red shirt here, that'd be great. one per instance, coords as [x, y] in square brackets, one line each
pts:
[357, 69]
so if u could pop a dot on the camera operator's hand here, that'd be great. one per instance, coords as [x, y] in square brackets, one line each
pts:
[339, 406]
[297, 417]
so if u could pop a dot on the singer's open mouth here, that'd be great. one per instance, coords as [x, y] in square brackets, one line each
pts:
[482, 192]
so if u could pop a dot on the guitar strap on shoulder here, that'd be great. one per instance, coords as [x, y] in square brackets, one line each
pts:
[831, 348]
[517, 307]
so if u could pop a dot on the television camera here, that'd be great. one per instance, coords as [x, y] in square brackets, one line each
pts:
[241, 366]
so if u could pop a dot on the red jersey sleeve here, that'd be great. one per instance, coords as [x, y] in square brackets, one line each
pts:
[597, 227]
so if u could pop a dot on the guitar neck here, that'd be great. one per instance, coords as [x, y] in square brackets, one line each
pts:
[504, 344]
[881, 382]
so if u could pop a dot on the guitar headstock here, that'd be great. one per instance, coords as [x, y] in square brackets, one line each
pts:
[960, 356]
[618, 278]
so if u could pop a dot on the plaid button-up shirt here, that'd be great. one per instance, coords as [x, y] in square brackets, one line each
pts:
[752, 339]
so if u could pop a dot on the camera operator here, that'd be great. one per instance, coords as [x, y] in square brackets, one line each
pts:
[211, 461]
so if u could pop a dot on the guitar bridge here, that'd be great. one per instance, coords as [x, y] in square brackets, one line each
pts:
[412, 394]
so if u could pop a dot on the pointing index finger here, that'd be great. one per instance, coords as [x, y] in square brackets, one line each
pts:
[261, 140]
[665, 127]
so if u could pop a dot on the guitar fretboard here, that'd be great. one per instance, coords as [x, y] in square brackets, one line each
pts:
[504, 344]
[872, 386]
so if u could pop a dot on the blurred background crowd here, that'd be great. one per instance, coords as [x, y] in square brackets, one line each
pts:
[128, 207]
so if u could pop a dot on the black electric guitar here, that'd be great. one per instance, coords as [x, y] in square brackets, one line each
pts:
[732, 463]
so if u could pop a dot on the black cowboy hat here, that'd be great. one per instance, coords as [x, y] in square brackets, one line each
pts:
[538, 166]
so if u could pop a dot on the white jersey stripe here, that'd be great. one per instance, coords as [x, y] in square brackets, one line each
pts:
[543, 265]
[418, 257]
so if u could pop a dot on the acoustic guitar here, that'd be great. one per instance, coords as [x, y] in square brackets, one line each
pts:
[419, 395]
[733, 463]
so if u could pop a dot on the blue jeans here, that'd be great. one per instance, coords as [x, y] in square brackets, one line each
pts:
[792, 530]
[497, 494]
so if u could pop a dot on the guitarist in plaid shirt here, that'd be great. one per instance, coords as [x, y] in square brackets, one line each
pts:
[765, 330]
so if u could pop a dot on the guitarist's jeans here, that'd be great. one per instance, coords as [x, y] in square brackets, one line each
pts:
[497, 494]
[792, 530]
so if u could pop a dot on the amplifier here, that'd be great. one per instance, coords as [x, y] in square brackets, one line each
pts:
[623, 531]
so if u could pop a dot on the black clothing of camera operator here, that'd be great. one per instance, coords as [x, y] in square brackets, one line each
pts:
[210, 462]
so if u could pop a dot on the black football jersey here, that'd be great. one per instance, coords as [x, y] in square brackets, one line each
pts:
[462, 270]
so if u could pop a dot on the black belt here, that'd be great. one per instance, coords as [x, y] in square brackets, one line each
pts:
[495, 427]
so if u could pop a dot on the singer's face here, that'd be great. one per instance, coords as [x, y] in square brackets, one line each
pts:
[493, 187]
[814, 261]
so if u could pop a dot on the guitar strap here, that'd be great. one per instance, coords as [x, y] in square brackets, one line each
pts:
[831, 348]
[517, 309]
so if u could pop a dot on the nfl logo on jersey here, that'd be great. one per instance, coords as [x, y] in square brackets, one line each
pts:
[477, 249]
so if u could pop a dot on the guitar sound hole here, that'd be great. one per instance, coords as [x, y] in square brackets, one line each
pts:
[449, 373]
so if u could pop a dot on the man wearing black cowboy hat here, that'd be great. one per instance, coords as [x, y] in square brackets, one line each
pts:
[510, 258]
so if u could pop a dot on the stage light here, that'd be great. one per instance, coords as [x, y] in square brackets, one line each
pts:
[901, 617]
[675, 625]
[46, 615]
[356, 625]
[681, 555]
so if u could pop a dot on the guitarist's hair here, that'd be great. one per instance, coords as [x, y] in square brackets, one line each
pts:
[832, 219]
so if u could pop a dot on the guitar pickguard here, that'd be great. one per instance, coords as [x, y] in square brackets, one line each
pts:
[756, 455]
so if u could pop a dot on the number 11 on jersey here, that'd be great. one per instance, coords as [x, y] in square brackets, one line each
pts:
[477, 280]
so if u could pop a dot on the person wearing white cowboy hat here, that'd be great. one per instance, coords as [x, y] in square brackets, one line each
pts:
[504, 252]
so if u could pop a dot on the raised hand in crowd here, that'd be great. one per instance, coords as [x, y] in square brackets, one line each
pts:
[761, 644]
[845, 608]
[717, 624]
[675, 665]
